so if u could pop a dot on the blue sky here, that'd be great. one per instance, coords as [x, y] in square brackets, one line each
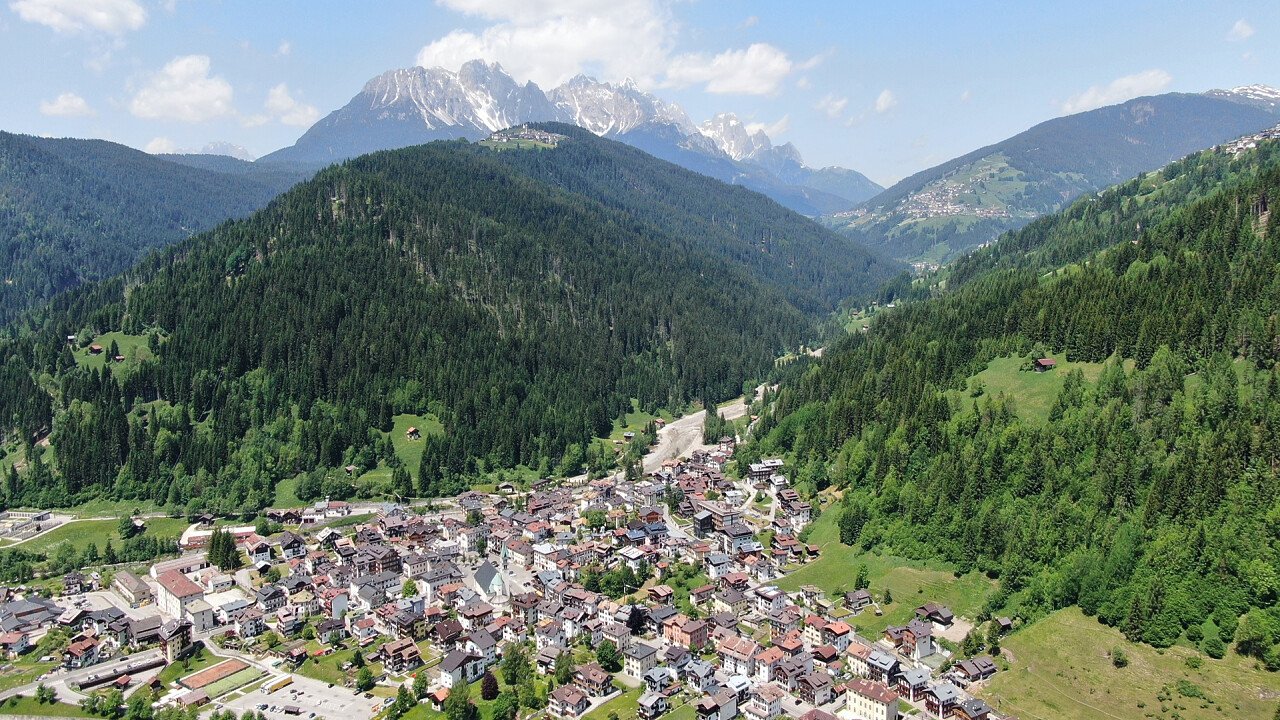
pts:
[884, 88]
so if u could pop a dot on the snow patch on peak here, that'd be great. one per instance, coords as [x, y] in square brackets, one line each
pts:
[1257, 92]
[733, 138]
[608, 109]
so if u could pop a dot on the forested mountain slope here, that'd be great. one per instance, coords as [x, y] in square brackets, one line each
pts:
[1150, 496]
[522, 296]
[76, 210]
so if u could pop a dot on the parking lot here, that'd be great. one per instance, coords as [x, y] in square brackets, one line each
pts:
[103, 599]
[310, 696]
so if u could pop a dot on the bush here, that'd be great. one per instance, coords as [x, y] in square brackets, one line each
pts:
[1214, 647]
[1119, 658]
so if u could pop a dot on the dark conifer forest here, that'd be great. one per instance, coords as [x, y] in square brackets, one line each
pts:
[1148, 497]
[522, 297]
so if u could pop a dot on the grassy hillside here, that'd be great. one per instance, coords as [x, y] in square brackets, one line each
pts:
[1061, 667]
[910, 582]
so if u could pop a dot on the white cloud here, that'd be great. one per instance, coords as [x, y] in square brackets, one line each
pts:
[548, 41]
[284, 48]
[184, 91]
[885, 101]
[1240, 31]
[160, 145]
[758, 70]
[1124, 88]
[831, 105]
[966, 96]
[750, 21]
[283, 106]
[68, 104]
[803, 83]
[774, 129]
[72, 16]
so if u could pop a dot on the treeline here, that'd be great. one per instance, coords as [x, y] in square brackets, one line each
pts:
[440, 279]
[1150, 496]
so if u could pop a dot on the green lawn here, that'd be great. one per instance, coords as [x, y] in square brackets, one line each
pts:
[1033, 393]
[409, 451]
[1059, 667]
[108, 508]
[23, 705]
[202, 659]
[80, 533]
[231, 682]
[133, 347]
[911, 582]
[326, 668]
[625, 705]
[24, 672]
[287, 493]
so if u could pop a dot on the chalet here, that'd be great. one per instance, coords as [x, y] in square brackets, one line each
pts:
[815, 688]
[82, 652]
[761, 471]
[914, 684]
[882, 667]
[979, 668]
[765, 703]
[401, 655]
[721, 706]
[460, 666]
[74, 583]
[248, 622]
[13, 644]
[292, 545]
[1044, 364]
[971, 709]
[271, 598]
[567, 701]
[593, 680]
[331, 630]
[652, 705]
[258, 550]
[856, 600]
[936, 613]
[940, 699]
[659, 678]
[413, 433]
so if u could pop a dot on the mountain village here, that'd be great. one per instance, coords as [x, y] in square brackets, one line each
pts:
[622, 599]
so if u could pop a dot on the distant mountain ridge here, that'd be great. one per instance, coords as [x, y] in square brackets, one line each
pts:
[415, 105]
[948, 209]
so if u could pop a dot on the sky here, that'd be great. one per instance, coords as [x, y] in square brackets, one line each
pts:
[886, 88]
